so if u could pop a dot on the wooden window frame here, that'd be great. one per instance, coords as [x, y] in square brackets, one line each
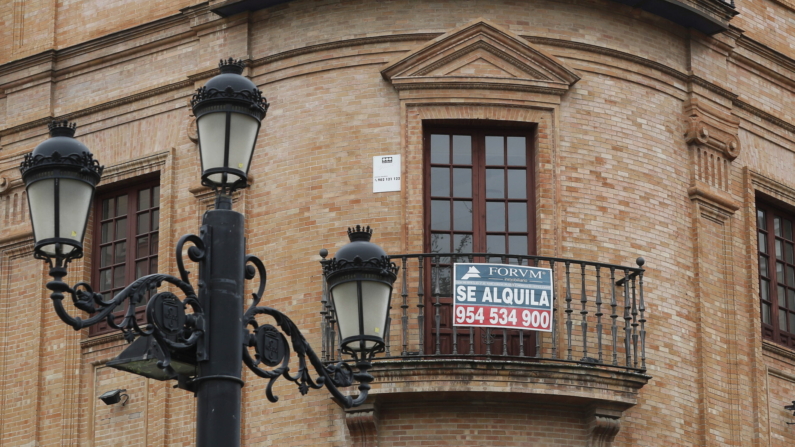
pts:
[770, 278]
[478, 132]
[131, 189]
[479, 166]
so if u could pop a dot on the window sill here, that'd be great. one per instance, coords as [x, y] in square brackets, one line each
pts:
[777, 349]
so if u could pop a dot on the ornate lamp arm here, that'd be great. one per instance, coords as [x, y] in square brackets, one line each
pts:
[85, 299]
[272, 349]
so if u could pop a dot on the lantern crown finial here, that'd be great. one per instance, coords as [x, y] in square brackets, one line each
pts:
[360, 233]
[62, 129]
[231, 65]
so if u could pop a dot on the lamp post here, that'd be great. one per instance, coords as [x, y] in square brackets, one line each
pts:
[203, 349]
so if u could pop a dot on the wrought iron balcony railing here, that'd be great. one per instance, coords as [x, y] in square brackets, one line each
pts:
[599, 315]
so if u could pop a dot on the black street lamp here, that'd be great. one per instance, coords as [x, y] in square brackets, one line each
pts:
[203, 349]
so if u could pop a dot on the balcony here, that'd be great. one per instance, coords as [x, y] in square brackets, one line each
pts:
[594, 355]
[708, 16]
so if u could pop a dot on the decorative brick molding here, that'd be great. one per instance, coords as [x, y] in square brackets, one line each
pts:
[480, 55]
[711, 136]
[714, 129]
[362, 423]
[603, 426]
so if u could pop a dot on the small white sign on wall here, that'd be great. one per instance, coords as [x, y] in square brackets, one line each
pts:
[386, 173]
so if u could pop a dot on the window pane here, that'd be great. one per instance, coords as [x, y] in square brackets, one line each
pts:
[107, 208]
[517, 184]
[779, 250]
[104, 256]
[763, 266]
[462, 213]
[788, 252]
[143, 223]
[517, 245]
[764, 287]
[155, 220]
[440, 215]
[787, 229]
[440, 243]
[495, 216]
[462, 150]
[790, 276]
[494, 151]
[118, 277]
[153, 245]
[442, 278]
[517, 151]
[156, 197]
[791, 299]
[141, 268]
[121, 205]
[763, 242]
[440, 149]
[121, 229]
[777, 226]
[766, 313]
[462, 182]
[791, 329]
[517, 217]
[104, 280]
[153, 265]
[462, 243]
[106, 232]
[760, 220]
[495, 183]
[780, 272]
[440, 182]
[143, 199]
[781, 294]
[142, 247]
[121, 252]
[782, 320]
[495, 244]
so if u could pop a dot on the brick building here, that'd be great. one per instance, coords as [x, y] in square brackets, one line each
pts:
[576, 134]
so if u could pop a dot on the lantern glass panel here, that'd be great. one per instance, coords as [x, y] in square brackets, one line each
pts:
[242, 136]
[375, 305]
[75, 198]
[346, 304]
[212, 135]
[41, 199]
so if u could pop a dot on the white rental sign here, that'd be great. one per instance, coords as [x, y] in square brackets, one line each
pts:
[386, 173]
[502, 296]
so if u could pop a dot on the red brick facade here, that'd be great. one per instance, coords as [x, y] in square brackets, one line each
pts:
[652, 140]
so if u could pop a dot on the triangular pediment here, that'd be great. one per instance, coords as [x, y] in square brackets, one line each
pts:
[480, 54]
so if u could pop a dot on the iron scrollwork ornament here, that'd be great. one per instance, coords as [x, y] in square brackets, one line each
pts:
[168, 323]
[272, 349]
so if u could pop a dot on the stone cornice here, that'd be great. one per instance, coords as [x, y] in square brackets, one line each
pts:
[607, 52]
[766, 52]
[94, 44]
[772, 187]
[123, 36]
[100, 107]
[478, 46]
[479, 33]
[136, 167]
[475, 83]
[341, 44]
[764, 115]
[770, 347]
